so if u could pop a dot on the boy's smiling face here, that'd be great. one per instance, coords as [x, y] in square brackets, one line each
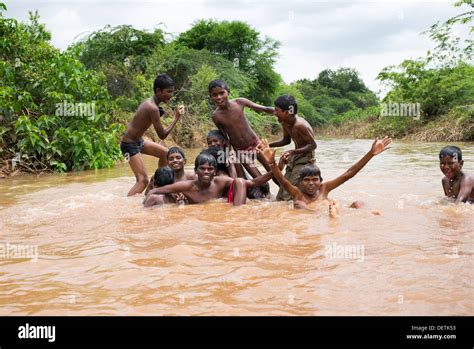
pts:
[176, 161]
[205, 172]
[450, 166]
[165, 94]
[219, 96]
[213, 141]
[310, 185]
[282, 115]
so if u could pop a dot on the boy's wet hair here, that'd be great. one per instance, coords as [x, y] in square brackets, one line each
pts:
[218, 83]
[163, 176]
[258, 192]
[162, 81]
[285, 102]
[310, 171]
[202, 158]
[451, 150]
[175, 150]
[220, 155]
[216, 133]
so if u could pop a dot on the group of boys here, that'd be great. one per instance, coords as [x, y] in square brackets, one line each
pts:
[228, 167]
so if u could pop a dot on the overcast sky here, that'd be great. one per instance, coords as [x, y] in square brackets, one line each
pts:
[315, 35]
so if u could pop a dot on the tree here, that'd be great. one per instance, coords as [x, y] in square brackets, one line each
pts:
[241, 44]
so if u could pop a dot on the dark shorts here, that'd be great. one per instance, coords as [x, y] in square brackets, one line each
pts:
[132, 148]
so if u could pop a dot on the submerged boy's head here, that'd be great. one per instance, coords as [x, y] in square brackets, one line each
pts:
[450, 161]
[219, 92]
[205, 167]
[258, 192]
[176, 158]
[163, 87]
[215, 138]
[310, 179]
[285, 106]
[163, 176]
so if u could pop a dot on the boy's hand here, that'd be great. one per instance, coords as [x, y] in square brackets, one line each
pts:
[268, 154]
[180, 111]
[287, 154]
[380, 145]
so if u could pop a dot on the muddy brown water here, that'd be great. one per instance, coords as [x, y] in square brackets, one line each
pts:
[74, 244]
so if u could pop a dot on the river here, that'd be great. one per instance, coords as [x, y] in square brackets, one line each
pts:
[97, 252]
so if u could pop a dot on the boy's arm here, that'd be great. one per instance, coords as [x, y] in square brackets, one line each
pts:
[282, 142]
[160, 130]
[232, 170]
[150, 200]
[465, 190]
[259, 181]
[377, 147]
[257, 107]
[306, 136]
[269, 155]
[172, 188]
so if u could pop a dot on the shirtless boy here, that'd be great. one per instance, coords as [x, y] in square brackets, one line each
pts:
[310, 187]
[148, 113]
[457, 185]
[230, 119]
[299, 130]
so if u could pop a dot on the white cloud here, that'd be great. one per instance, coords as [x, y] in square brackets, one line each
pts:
[315, 35]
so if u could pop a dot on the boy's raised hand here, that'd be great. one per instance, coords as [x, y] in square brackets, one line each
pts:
[380, 145]
[267, 152]
[180, 111]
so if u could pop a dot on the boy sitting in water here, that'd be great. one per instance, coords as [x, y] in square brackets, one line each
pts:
[311, 187]
[457, 184]
[229, 117]
[163, 176]
[207, 186]
[148, 113]
[297, 129]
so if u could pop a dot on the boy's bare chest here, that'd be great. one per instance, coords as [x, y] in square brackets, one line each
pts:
[452, 188]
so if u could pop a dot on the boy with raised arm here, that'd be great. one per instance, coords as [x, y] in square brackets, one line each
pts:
[299, 130]
[148, 113]
[310, 187]
[230, 119]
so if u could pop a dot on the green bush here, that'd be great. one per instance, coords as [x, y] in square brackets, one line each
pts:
[38, 81]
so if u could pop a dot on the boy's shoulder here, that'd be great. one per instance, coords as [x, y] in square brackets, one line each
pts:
[469, 177]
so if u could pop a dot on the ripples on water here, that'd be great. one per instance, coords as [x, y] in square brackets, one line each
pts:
[101, 253]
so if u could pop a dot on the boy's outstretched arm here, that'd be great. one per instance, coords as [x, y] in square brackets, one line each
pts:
[269, 155]
[259, 181]
[160, 130]
[282, 142]
[257, 107]
[378, 146]
[177, 187]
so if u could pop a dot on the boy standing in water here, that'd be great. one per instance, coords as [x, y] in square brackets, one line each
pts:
[297, 129]
[229, 117]
[148, 113]
[457, 184]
